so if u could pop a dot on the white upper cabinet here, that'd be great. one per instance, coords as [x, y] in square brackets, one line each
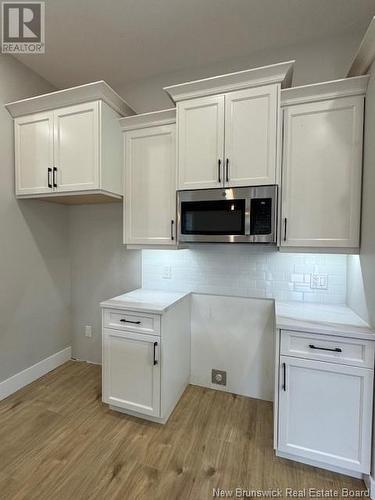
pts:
[251, 136]
[200, 142]
[34, 153]
[77, 147]
[322, 171]
[150, 179]
[227, 128]
[70, 143]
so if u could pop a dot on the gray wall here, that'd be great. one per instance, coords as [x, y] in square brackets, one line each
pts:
[34, 260]
[100, 268]
[315, 62]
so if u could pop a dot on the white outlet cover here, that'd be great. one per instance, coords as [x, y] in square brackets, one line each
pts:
[88, 331]
[167, 272]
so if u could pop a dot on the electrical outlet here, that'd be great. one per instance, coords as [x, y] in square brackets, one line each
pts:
[167, 272]
[219, 377]
[319, 281]
[88, 331]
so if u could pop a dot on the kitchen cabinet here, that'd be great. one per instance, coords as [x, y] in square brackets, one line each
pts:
[150, 179]
[322, 164]
[325, 401]
[132, 371]
[228, 128]
[76, 147]
[228, 140]
[251, 121]
[201, 143]
[146, 352]
[34, 153]
[68, 145]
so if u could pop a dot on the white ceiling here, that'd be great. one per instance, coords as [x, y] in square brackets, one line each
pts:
[126, 40]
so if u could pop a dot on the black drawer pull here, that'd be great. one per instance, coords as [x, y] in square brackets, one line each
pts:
[336, 349]
[132, 322]
[284, 376]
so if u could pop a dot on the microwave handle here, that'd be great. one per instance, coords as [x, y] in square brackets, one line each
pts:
[247, 216]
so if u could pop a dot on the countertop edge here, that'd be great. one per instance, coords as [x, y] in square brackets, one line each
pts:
[112, 304]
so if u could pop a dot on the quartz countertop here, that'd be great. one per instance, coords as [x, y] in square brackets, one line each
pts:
[323, 319]
[151, 301]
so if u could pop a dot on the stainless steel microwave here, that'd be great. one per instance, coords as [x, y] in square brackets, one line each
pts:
[228, 215]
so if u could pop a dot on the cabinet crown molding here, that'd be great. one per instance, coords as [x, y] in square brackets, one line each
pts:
[365, 55]
[67, 97]
[326, 90]
[275, 73]
[144, 120]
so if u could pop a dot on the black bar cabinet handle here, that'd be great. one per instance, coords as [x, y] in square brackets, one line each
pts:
[219, 170]
[284, 376]
[132, 322]
[336, 349]
[54, 177]
[172, 229]
[155, 360]
[49, 177]
[285, 227]
[227, 170]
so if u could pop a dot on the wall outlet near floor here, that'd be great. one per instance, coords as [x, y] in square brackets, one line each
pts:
[88, 331]
[319, 281]
[167, 273]
[219, 377]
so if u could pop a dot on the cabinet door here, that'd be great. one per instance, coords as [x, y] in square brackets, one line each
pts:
[131, 371]
[251, 136]
[150, 186]
[77, 147]
[33, 153]
[325, 412]
[322, 169]
[200, 142]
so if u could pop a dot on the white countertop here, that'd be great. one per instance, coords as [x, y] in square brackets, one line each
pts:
[323, 319]
[151, 301]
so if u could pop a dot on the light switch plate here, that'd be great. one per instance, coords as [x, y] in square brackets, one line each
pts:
[167, 273]
[319, 281]
[88, 331]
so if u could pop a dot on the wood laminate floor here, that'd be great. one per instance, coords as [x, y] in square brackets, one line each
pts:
[59, 442]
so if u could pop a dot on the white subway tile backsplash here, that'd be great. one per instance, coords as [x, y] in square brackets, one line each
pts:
[245, 271]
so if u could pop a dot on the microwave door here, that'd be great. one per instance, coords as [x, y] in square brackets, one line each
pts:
[212, 220]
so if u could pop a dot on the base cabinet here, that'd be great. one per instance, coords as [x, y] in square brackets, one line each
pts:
[134, 358]
[145, 374]
[325, 413]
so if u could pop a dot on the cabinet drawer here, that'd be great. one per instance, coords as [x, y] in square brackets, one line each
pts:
[132, 321]
[330, 348]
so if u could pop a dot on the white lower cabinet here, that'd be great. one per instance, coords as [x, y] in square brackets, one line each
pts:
[145, 374]
[325, 412]
[134, 358]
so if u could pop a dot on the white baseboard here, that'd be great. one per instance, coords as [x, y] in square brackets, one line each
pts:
[19, 380]
[370, 484]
